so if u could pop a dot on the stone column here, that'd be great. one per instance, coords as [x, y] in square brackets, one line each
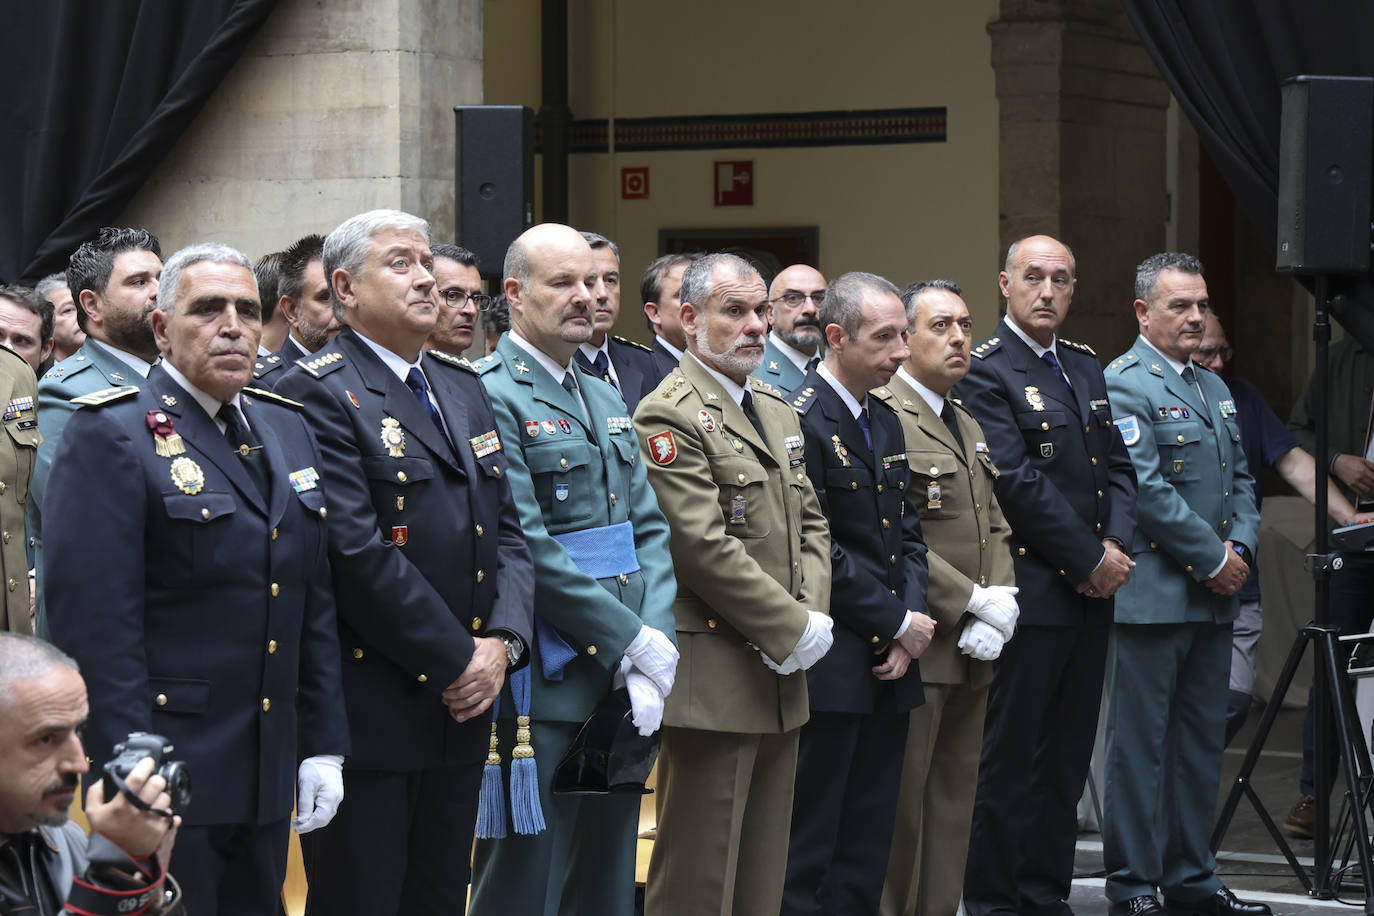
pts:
[1082, 150]
[335, 108]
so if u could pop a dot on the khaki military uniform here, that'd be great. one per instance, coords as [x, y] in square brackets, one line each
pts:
[967, 537]
[751, 551]
[19, 395]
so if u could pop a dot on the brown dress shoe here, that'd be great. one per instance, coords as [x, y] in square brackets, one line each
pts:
[1300, 818]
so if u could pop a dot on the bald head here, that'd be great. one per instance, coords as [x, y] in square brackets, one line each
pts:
[550, 272]
[794, 306]
[1038, 282]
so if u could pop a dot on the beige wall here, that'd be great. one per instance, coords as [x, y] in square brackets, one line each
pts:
[334, 108]
[906, 211]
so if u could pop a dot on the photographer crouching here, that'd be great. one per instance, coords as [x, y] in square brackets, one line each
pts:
[47, 864]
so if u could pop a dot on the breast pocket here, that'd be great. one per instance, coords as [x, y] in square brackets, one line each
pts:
[195, 525]
[561, 477]
[934, 482]
[1180, 450]
[743, 487]
[1043, 432]
[24, 436]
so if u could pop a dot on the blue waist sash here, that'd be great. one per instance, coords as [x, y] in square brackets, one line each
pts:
[600, 553]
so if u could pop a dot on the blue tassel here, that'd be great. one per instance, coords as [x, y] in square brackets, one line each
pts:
[491, 803]
[527, 816]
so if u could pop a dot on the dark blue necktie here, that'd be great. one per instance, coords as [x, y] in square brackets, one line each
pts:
[863, 425]
[603, 368]
[1058, 371]
[415, 381]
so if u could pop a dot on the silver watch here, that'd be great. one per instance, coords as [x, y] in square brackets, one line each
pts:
[513, 650]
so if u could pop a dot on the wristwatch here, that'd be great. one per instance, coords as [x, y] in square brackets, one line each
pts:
[514, 649]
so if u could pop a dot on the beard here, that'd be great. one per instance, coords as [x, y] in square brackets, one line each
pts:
[132, 333]
[805, 335]
[730, 360]
[315, 338]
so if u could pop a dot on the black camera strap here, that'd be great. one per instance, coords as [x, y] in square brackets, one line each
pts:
[132, 796]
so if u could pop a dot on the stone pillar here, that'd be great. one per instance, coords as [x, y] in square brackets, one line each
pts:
[335, 108]
[1082, 150]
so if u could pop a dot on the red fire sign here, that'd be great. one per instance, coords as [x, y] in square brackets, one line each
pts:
[735, 184]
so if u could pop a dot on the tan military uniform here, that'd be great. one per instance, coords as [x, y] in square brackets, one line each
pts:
[751, 551]
[968, 545]
[19, 398]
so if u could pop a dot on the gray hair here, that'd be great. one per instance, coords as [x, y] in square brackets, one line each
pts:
[201, 252]
[844, 300]
[599, 241]
[914, 290]
[1015, 247]
[698, 280]
[51, 284]
[23, 657]
[1147, 274]
[347, 247]
[517, 264]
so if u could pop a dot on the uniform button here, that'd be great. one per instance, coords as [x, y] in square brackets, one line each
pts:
[266, 703]
[274, 534]
[875, 640]
[893, 590]
[423, 679]
[477, 623]
[481, 575]
[624, 579]
[853, 485]
[205, 512]
[1153, 545]
[880, 488]
[901, 484]
[1099, 494]
[1044, 426]
[612, 499]
[276, 589]
[711, 623]
[977, 507]
[5, 537]
[2, 486]
[562, 462]
[1180, 438]
[983, 543]
[800, 477]
[1020, 551]
[324, 513]
[1061, 572]
[886, 524]
[1225, 522]
[496, 470]
[401, 476]
[982, 580]
[1085, 429]
[1187, 569]
[934, 471]
[1223, 464]
[1099, 526]
[11, 584]
[591, 650]
[161, 699]
[741, 478]
[892, 560]
[480, 531]
[1094, 461]
[271, 647]
[33, 542]
[1226, 495]
[357, 653]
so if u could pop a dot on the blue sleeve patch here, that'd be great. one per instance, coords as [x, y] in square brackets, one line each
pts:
[1130, 429]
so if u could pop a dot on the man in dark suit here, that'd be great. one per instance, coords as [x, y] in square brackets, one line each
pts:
[303, 299]
[432, 575]
[849, 764]
[659, 289]
[188, 574]
[1068, 492]
[622, 363]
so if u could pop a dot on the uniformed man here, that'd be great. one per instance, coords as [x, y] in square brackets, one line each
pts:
[626, 365]
[971, 597]
[114, 278]
[849, 762]
[795, 341]
[303, 300]
[1068, 491]
[67, 335]
[19, 393]
[430, 568]
[604, 581]
[659, 288]
[23, 326]
[752, 555]
[1171, 642]
[458, 284]
[187, 574]
[268, 271]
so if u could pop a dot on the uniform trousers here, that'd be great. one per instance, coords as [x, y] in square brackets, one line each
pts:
[231, 868]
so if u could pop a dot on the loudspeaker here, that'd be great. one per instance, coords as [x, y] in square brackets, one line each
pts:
[1325, 143]
[495, 180]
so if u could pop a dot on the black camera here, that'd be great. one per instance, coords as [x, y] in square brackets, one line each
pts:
[131, 750]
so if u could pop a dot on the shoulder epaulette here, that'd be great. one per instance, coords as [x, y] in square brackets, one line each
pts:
[485, 364]
[759, 384]
[987, 346]
[674, 385]
[323, 364]
[1123, 362]
[266, 365]
[264, 395]
[632, 343]
[803, 399]
[459, 361]
[106, 396]
[1075, 345]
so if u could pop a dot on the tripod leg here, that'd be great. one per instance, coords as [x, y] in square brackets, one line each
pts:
[1340, 697]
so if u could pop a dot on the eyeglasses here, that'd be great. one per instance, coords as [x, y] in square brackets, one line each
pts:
[456, 298]
[794, 299]
[1203, 354]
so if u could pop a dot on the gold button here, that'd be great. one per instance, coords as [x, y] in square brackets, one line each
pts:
[401, 476]
[1223, 464]
[886, 524]
[161, 699]
[983, 543]
[496, 469]
[1187, 569]
[324, 513]
[562, 462]
[480, 531]
[271, 647]
[11, 584]
[901, 484]
[742, 478]
[481, 575]
[624, 579]
[5, 537]
[204, 513]
[2, 486]
[423, 679]
[276, 589]
[1061, 572]
[1020, 551]
[1225, 522]
[1099, 526]
[977, 507]
[1180, 438]
[711, 623]
[800, 477]
[612, 499]
[1094, 461]
[1226, 495]
[1044, 426]
[274, 534]
[1153, 545]
[880, 488]
[266, 703]
[1099, 494]
[853, 485]
[893, 590]
[982, 580]
[875, 640]
[1085, 428]
[934, 471]
[357, 653]
[591, 650]
[892, 560]
[477, 623]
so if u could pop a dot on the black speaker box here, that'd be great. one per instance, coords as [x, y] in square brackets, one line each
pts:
[495, 180]
[1325, 143]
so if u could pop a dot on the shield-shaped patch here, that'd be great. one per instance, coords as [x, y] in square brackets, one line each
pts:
[1046, 449]
[1130, 429]
[560, 492]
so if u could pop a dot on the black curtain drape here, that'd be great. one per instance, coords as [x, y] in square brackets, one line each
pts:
[97, 91]
[1224, 60]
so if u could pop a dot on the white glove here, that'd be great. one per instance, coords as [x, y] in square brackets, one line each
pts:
[814, 643]
[981, 640]
[646, 702]
[996, 605]
[655, 656]
[319, 790]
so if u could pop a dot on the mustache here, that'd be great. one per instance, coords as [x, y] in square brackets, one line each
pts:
[69, 781]
[807, 321]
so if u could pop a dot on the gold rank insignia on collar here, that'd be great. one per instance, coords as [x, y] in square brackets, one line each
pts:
[169, 400]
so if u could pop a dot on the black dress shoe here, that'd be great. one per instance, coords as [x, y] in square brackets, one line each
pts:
[1222, 903]
[1144, 905]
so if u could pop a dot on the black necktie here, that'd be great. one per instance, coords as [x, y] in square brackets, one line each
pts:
[813, 362]
[1058, 370]
[246, 446]
[947, 414]
[747, 405]
[603, 368]
[571, 386]
[863, 425]
[415, 381]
